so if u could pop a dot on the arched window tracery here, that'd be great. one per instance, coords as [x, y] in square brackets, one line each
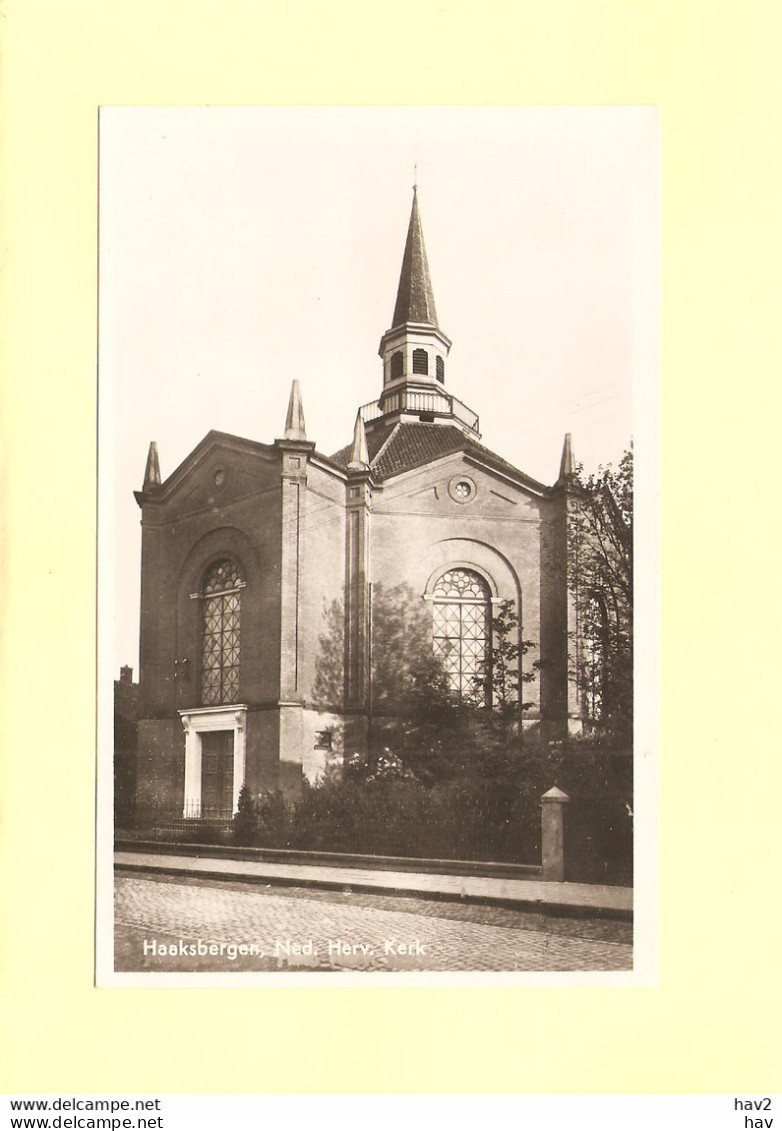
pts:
[462, 634]
[220, 636]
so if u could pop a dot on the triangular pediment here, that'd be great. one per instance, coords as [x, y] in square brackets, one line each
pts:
[461, 486]
[220, 468]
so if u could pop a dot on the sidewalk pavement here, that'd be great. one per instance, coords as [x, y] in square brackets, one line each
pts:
[563, 898]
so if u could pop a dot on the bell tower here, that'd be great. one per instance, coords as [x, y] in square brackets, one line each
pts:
[415, 349]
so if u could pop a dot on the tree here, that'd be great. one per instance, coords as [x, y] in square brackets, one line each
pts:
[419, 727]
[497, 728]
[414, 717]
[600, 540]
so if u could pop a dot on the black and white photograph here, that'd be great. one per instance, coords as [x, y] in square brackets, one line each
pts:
[377, 611]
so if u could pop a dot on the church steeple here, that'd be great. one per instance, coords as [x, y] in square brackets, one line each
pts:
[415, 349]
[415, 297]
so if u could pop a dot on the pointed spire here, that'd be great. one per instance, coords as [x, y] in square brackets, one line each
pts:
[152, 471]
[359, 456]
[567, 466]
[294, 422]
[415, 298]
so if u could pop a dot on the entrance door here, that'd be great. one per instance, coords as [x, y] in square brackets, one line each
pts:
[217, 773]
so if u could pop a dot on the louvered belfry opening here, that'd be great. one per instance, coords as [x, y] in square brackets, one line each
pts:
[397, 365]
[220, 640]
[462, 634]
[420, 361]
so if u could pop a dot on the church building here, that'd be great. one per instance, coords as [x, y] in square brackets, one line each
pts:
[246, 547]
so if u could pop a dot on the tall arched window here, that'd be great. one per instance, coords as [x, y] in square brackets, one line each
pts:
[220, 635]
[397, 365]
[462, 634]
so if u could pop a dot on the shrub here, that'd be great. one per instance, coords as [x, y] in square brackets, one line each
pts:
[490, 814]
[245, 819]
[272, 821]
[469, 820]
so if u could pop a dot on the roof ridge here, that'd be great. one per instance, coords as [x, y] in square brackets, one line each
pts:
[385, 443]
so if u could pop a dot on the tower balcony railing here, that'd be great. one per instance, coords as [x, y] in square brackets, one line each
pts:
[434, 403]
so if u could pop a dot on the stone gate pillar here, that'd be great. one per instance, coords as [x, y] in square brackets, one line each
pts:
[552, 805]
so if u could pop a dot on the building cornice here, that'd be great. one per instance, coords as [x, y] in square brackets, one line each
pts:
[398, 334]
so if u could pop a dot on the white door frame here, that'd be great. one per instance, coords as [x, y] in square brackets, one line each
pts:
[195, 723]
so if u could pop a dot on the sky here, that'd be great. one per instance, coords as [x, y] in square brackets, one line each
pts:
[243, 248]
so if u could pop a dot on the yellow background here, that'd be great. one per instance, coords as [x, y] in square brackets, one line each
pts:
[713, 68]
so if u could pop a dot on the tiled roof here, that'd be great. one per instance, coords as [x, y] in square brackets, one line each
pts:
[414, 445]
[375, 440]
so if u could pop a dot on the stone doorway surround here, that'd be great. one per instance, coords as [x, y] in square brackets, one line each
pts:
[198, 721]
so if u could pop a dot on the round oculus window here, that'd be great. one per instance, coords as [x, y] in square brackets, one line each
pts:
[461, 489]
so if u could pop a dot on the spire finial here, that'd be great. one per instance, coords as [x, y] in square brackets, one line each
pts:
[294, 422]
[567, 465]
[152, 470]
[359, 455]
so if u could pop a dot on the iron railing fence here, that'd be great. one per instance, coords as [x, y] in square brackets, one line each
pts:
[598, 832]
[444, 838]
[173, 826]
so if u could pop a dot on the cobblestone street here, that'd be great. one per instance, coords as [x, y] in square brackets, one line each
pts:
[302, 929]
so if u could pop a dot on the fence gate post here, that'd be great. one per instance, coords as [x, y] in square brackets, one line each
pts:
[552, 806]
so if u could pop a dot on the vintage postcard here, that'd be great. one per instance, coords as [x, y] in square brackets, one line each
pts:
[374, 776]
[377, 403]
